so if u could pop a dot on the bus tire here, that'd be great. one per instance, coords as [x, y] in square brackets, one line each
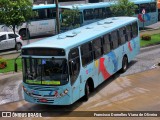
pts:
[86, 96]
[18, 46]
[24, 35]
[124, 64]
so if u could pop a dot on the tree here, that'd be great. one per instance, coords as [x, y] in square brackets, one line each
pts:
[70, 19]
[15, 12]
[123, 8]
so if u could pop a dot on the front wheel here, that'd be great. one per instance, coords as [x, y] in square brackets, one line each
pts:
[124, 64]
[18, 46]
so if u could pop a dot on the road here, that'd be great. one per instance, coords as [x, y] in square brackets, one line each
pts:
[136, 92]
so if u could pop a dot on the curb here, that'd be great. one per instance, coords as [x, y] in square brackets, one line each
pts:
[144, 49]
[10, 52]
[10, 75]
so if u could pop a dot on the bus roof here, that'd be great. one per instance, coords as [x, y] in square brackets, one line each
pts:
[43, 6]
[142, 1]
[101, 4]
[83, 34]
[88, 5]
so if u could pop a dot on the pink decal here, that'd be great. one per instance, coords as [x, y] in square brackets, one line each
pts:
[56, 94]
[86, 71]
[129, 46]
[140, 18]
[103, 70]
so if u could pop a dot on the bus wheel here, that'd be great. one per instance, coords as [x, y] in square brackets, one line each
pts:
[18, 46]
[24, 34]
[124, 64]
[86, 96]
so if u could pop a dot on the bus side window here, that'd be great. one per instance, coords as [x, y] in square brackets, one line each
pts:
[86, 53]
[106, 44]
[145, 6]
[97, 48]
[128, 30]
[135, 29]
[122, 34]
[114, 39]
[137, 9]
[88, 14]
[98, 13]
[74, 64]
[153, 7]
[108, 12]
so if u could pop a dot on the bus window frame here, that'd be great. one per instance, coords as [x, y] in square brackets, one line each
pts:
[99, 47]
[73, 75]
[86, 53]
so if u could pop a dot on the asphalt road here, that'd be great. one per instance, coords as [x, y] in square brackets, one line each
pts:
[137, 92]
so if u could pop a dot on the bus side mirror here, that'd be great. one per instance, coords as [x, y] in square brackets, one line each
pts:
[15, 67]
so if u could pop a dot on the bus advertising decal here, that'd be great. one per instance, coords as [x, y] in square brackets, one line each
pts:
[89, 70]
[129, 46]
[103, 70]
[114, 60]
[142, 19]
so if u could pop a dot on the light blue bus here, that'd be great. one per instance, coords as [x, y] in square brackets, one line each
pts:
[93, 12]
[146, 12]
[42, 22]
[90, 12]
[61, 69]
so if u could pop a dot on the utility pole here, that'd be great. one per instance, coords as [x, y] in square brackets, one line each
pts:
[57, 17]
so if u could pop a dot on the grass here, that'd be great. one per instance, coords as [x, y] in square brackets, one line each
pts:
[10, 65]
[155, 39]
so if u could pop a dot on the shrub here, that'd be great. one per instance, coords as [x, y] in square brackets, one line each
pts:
[3, 63]
[146, 37]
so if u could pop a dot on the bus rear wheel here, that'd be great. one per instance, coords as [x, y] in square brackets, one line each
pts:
[86, 96]
[24, 34]
[124, 64]
[18, 46]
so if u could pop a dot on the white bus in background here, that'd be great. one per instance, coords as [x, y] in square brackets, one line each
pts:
[42, 23]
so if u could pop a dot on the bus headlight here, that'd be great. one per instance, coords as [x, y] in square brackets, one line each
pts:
[66, 91]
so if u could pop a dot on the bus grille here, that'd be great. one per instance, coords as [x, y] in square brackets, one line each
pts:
[43, 88]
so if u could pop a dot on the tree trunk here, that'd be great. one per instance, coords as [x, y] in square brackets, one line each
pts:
[57, 17]
[14, 35]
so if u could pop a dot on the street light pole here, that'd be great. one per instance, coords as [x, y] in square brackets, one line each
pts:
[57, 17]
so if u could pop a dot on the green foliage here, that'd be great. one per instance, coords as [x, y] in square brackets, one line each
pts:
[146, 37]
[10, 65]
[14, 12]
[70, 19]
[154, 40]
[123, 8]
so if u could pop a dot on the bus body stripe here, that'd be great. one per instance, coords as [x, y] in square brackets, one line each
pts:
[103, 70]
[129, 46]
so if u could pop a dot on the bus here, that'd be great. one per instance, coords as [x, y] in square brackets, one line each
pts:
[92, 12]
[61, 69]
[146, 12]
[42, 23]
[158, 5]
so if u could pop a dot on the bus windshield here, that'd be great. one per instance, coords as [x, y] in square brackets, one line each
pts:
[45, 71]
